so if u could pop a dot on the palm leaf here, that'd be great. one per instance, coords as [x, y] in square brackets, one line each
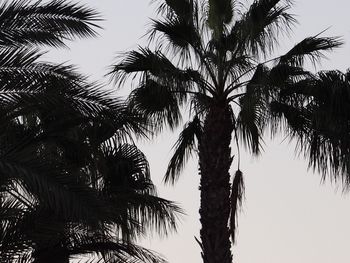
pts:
[149, 211]
[155, 64]
[125, 167]
[311, 48]
[259, 27]
[184, 10]
[117, 252]
[127, 182]
[316, 113]
[25, 23]
[236, 199]
[180, 34]
[156, 103]
[63, 193]
[251, 117]
[183, 149]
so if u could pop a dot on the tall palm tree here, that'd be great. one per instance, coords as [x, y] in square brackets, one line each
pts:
[60, 138]
[217, 56]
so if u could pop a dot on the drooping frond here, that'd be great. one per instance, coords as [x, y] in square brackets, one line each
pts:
[236, 67]
[185, 10]
[29, 86]
[127, 182]
[283, 74]
[24, 22]
[12, 242]
[63, 193]
[179, 26]
[155, 64]
[183, 149]
[152, 213]
[236, 199]
[311, 48]
[109, 251]
[316, 113]
[200, 103]
[179, 34]
[23, 77]
[251, 117]
[124, 167]
[157, 104]
[259, 28]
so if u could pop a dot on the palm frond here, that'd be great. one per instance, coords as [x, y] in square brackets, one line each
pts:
[236, 199]
[12, 241]
[251, 117]
[116, 252]
[26, 23]
[183, 147]
[260, 26]
[312, 48]
[125, 167]
[156, 103]
[27, 83]
[181, 35]
[284, 74]
[154, 63]
[200, 103]
[316, 114]
[63, 193]
[151, 212]
[127, 185]
[185, 10]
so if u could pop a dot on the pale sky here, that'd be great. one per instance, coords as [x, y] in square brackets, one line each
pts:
[288, 215]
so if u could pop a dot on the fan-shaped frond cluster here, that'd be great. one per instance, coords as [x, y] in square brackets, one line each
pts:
[221, 56]
[315, 111]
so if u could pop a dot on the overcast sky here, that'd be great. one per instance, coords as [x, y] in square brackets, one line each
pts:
[288, 216]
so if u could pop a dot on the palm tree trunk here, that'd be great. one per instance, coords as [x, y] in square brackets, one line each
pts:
[214, 163]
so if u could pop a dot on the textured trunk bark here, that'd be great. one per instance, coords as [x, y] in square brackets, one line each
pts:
[214, 163]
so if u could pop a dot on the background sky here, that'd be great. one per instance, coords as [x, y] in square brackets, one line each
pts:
[289, 216]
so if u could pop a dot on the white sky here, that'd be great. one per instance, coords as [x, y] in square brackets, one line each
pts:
[289, 216]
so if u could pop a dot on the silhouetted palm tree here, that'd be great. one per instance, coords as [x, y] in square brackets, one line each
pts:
[60, 139]
[219, 64]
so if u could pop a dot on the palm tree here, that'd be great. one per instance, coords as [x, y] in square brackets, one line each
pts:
[60, 138]
[222, 66]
